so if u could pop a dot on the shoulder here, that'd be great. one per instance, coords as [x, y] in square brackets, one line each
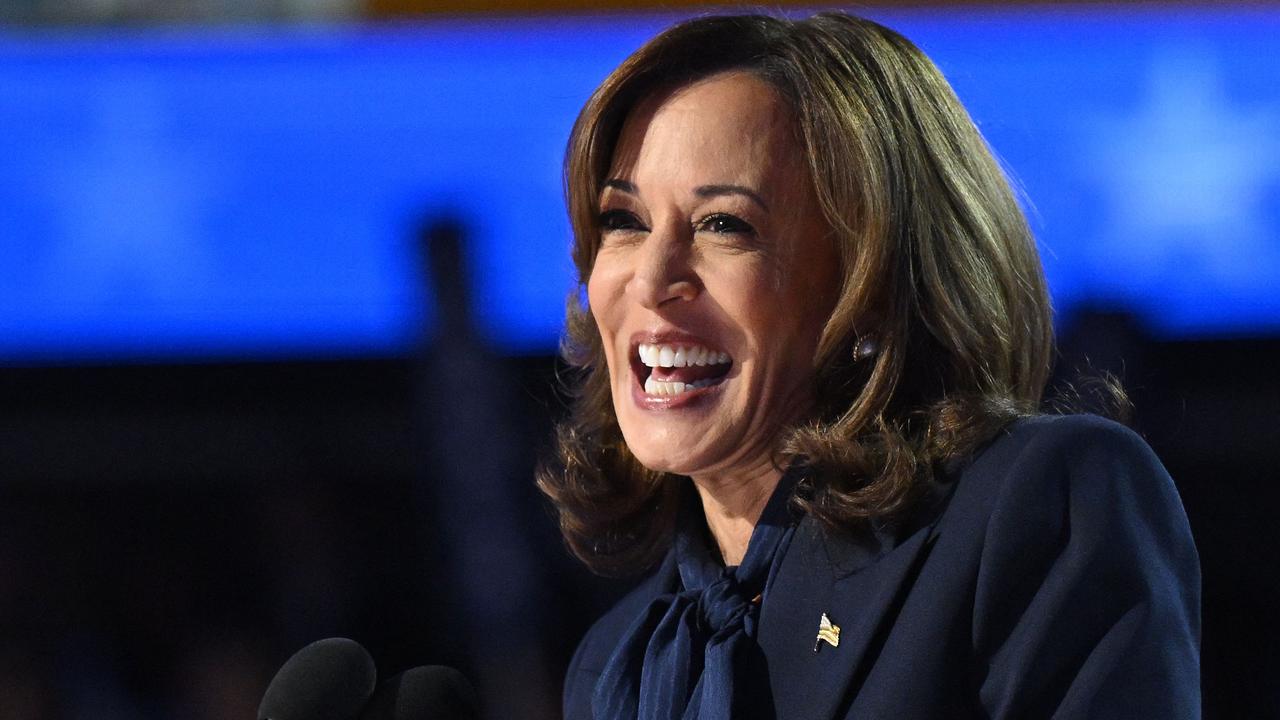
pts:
[602, 638]
[1064, 442]
[597, 646]
[1048, 460]
[1079, 479]
[1086, 569]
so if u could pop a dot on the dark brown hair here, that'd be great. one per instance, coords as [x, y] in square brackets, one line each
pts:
[939, 267]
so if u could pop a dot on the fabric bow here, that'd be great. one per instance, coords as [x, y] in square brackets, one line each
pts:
[678, 661]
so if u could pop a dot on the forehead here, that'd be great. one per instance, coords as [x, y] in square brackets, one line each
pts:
[733, 126]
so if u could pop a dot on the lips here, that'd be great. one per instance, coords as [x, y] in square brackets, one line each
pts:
[669, 367]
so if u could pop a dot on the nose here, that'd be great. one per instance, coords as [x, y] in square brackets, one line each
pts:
[663, 272]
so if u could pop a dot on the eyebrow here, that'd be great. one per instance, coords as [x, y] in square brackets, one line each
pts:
[622, 185]
[709, 191]
[702, 191]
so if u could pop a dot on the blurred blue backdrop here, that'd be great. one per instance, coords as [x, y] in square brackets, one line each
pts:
[257, 192]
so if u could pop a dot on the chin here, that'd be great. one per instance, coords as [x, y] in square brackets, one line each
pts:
[662, 449]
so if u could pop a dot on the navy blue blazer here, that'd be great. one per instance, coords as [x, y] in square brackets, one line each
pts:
[1054, 576]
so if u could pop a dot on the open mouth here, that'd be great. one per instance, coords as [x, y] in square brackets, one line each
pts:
[676, 369]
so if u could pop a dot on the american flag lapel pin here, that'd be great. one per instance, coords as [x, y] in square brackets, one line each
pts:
[828, 632]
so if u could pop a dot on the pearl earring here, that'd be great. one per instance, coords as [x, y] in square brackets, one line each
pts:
[865, 347]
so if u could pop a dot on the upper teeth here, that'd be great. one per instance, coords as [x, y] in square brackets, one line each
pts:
[680, 355]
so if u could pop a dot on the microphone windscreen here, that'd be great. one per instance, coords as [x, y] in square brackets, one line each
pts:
[327, 680]
[433, 692]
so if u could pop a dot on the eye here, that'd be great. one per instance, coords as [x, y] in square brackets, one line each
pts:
[615, 220]
[725, 224]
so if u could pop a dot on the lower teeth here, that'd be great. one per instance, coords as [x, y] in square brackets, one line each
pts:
[660, 387]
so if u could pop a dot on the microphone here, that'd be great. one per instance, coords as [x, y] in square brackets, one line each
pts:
[433, 692]
[327, 680]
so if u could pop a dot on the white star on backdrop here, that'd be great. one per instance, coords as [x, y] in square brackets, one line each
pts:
[1186, 177]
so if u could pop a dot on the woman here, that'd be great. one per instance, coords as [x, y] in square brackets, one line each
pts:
[814, 344]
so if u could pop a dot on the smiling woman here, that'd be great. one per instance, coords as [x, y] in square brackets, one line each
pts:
[692, 262]
[815, 341]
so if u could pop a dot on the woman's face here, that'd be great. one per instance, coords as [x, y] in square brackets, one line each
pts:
[714, 277]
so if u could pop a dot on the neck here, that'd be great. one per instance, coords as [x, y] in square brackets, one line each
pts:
[733, 504]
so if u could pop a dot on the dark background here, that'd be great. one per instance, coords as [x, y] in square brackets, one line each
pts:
[169, 534]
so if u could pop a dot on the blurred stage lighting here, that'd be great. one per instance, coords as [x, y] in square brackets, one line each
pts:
[258, 192]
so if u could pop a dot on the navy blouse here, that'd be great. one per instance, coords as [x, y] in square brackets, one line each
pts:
[1054, 576]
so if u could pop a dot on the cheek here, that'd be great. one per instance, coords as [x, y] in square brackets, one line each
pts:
[786, 315]
[812, 283]
[603, 305]
[604, 285]
[598, 298]
[595, 300]
[768, 304]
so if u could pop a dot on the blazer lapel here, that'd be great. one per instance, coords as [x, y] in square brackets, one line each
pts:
[858, 586]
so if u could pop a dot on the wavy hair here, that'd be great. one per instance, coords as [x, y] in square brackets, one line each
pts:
[939, 269]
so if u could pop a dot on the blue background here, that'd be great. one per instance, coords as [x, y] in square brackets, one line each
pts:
[257, 192]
